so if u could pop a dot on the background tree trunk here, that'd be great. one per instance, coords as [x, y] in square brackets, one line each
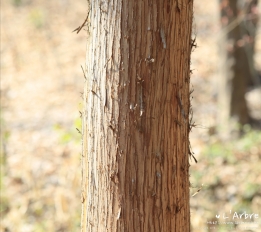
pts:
[136, 117]
[238, 20]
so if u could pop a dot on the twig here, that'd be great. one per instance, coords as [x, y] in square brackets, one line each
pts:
[78, 29]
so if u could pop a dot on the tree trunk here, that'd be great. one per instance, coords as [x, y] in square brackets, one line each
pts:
[136, 117]
[238, 20]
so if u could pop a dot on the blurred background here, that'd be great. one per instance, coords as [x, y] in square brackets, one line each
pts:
[41, 85]
[41, 81]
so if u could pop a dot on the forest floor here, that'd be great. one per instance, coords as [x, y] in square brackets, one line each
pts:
[41, 85]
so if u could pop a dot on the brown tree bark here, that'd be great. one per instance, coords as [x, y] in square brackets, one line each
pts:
[135, 130]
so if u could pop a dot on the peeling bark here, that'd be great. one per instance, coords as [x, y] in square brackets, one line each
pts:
[135, 165]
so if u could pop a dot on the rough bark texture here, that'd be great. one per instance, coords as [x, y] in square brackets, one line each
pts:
[136, 117]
